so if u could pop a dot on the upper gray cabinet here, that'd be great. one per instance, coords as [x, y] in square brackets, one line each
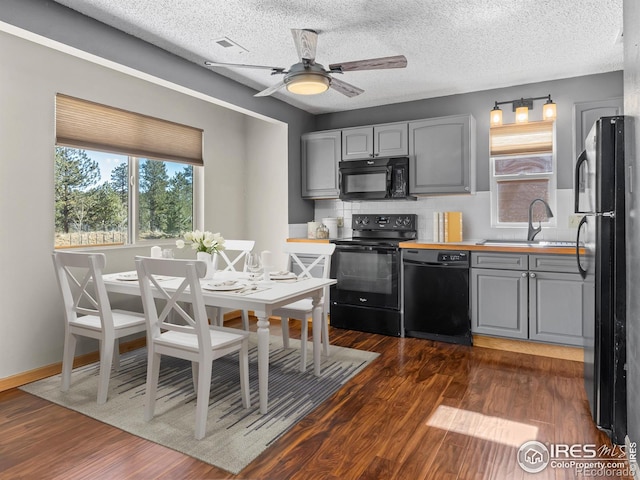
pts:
[586, 114]
[388, 140]
[320, 157]
[442, 155]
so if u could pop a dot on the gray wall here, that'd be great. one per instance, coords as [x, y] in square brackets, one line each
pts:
[64, 25]
[632, 108]
[564, 92]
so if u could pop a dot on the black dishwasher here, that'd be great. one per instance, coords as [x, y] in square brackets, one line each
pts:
[436, 295]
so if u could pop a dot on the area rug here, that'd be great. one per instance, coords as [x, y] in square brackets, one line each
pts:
[235, 435]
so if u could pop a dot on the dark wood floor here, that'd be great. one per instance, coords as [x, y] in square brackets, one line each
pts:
[422, 410]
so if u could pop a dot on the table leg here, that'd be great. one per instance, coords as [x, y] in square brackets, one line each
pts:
[317, 329]
[263, 359]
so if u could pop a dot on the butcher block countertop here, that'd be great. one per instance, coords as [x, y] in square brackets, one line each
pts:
[470, 246]
[473, 246]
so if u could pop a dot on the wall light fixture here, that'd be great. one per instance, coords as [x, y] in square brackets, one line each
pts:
[521, 108]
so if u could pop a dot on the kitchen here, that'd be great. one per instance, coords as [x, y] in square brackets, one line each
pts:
[565, 94]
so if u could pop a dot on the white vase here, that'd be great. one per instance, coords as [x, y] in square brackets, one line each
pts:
[210, 260]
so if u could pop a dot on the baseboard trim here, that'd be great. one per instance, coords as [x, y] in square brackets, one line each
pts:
[563, 352]
[55, 368]
[85, 359]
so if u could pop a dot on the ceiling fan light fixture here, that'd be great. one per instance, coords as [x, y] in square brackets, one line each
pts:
[308, 84]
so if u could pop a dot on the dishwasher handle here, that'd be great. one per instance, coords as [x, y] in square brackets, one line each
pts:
[436, 264]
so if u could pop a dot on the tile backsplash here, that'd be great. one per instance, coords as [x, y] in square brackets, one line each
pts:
[476, 214]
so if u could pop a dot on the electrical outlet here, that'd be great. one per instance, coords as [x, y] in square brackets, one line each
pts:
[574, 220]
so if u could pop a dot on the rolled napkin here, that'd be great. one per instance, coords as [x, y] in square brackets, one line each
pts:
[156, 252]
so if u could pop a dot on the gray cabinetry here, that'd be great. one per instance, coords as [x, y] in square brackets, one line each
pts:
[536, 297]
[556, 293]
[442, 155]
[499, 302]
[375, 141]
[585, 115]
[499, 290]
[320, 157]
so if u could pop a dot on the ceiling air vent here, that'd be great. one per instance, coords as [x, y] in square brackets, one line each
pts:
[227, 43]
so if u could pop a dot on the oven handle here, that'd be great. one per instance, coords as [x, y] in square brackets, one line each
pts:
[368, 248]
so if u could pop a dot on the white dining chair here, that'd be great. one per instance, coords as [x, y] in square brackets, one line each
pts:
[195, 340]
[320, 254]
[232, 259]
[88, 313]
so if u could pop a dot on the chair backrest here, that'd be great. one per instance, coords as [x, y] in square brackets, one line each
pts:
[83, 292]
[234, 254]
[189, 292]
[308, 256]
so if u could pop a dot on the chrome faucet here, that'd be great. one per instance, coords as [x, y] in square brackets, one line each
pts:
[532, 232]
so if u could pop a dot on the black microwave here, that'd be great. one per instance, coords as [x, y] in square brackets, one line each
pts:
[375, 179]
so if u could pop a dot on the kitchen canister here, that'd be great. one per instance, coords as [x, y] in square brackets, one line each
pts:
[312, 227]
[332, 225]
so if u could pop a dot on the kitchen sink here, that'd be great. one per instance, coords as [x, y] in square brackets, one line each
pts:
[525, 243]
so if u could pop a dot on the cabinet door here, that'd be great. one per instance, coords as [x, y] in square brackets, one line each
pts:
[499, 303]
[391, 140]
[442, 155]
[586, 114]
[320, 157]
[357, 143]
[556, 307]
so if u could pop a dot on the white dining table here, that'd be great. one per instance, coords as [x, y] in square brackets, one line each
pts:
[263, 302]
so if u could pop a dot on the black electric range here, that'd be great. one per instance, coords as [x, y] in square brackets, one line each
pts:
[367, 268]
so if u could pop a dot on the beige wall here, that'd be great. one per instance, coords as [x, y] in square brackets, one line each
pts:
[31, 313]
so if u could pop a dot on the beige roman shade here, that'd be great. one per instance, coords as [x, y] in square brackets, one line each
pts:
[84, 124]
[522, 138]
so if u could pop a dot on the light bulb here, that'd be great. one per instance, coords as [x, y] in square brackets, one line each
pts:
[496, 117]
[549, 111]
[522, 114]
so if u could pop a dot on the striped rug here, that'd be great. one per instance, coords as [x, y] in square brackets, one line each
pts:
[235, 436]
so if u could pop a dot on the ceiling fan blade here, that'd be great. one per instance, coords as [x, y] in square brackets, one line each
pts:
[242, 65]
[396, 61]
[345, 88]
[268, 91]
[306, 42]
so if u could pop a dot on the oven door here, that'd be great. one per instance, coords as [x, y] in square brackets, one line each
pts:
[367, 276]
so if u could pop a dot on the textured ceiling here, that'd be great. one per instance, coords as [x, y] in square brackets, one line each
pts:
[452, 46]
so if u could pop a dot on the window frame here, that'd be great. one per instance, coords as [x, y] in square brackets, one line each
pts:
[133, 195]
[552, 177]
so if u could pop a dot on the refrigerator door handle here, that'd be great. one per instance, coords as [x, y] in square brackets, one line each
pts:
[576, 181]
[583, 272]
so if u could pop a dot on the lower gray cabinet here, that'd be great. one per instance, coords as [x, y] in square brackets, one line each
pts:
[499, 302]
[538, 298]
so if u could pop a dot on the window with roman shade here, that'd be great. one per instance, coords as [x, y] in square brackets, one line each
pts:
[122, 177]
[523, 168]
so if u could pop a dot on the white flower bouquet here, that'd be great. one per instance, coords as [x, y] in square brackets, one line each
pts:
[202, 241]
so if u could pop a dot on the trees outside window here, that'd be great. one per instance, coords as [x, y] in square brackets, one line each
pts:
[92, 198]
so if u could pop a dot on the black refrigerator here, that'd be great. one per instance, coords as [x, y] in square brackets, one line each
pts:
[599, 191]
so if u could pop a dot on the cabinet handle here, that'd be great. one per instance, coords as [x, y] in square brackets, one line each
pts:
[532, 275]
[524, 274]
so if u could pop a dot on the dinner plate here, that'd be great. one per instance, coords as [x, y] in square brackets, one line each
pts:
[287, 276]
[128, 276]
[222, 287]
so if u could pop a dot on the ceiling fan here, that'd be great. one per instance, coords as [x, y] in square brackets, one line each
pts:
[310, 78]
